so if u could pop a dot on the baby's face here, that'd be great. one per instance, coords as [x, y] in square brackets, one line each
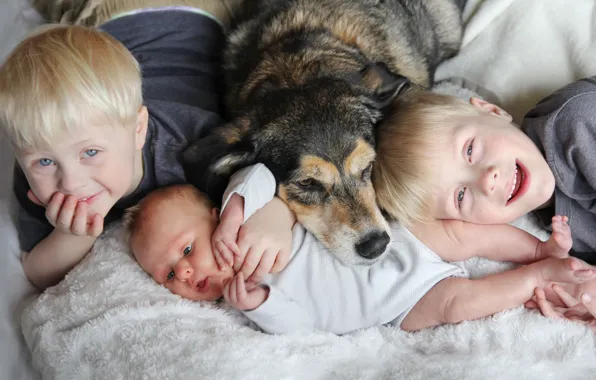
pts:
[174, 247]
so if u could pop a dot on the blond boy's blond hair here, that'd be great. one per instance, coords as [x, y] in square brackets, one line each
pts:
[407, 143]
[61, 78]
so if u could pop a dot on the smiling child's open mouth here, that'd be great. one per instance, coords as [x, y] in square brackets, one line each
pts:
[520, 183]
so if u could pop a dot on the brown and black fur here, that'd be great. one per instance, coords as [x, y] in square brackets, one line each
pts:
[306, 82]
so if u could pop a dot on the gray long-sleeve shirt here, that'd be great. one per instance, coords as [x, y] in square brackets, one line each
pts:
[563, 126]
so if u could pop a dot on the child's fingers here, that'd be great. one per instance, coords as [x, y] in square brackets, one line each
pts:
[281, 260]
[218, 252]
[226, 290]
[264, 266]
[79, 222]
[53, 208]
[231, 250]
[252, 259]
[96, 226]
[584, 273]
[233, 247]
[567, 298]
[545, 306]
[66, 213]
[241, 294]
[233, 296]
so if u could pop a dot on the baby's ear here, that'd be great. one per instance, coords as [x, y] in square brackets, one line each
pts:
[490, 108]
[215, 213]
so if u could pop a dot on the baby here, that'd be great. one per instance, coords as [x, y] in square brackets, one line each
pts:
[409, 286]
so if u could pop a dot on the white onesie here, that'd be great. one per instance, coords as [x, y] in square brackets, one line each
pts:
[316, 291]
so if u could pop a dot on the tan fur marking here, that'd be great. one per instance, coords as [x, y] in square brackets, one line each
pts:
[233, 134]
[319, 169]
[360, 157]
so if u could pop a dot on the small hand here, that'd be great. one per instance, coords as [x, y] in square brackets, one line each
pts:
[582, 311]
[241, 297]
[265, 241]
[70, 216]
[224, 243]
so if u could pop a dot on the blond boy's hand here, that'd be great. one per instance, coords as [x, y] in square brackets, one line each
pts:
[243, 297]
[66, 214]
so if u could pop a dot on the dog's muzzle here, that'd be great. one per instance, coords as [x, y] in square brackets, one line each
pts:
[372, 245]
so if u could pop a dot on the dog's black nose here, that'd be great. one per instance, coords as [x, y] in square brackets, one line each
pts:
[373, 245]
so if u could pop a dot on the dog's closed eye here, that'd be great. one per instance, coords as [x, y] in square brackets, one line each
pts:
[367, 172]
[310, 184]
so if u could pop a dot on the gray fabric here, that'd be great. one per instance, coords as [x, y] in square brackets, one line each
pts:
[179, 53]
[563, 125]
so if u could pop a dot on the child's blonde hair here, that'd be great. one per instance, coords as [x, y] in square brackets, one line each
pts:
[406, 146]
[63, 77]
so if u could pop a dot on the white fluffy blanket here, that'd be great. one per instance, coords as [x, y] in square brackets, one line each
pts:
[108, 320]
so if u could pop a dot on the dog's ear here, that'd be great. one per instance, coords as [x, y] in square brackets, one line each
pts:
[379, 85]
[209, 161]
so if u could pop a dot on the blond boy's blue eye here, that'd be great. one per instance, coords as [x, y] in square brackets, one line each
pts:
[90, 152]
[170, 276]
[187, 250]
[45, 162]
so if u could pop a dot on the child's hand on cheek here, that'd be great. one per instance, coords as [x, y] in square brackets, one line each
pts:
[265, 241]
[225, 235]
[243, 297]
[70, 216]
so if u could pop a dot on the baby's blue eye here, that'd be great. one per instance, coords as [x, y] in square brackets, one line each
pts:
[90, 152]
[470, 149]
[187, 250]
[46, 162]
[460, 195]
[170, 276]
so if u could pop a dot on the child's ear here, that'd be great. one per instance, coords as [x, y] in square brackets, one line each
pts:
[141, 128]
[490, 108]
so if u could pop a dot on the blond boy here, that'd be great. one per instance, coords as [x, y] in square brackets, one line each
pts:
[456, 172]
[97, 119]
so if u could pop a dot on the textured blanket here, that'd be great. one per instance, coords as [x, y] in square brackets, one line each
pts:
[109, 320]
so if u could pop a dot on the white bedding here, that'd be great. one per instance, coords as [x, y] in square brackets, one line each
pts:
[121, 325]
[109, 320]
[16, 18]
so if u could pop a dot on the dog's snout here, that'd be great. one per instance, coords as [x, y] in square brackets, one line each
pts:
[373, 245]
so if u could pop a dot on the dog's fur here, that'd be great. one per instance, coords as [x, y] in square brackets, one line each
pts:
[307, 81]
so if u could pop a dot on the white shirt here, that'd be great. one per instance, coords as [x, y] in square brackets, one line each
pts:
[316, 291]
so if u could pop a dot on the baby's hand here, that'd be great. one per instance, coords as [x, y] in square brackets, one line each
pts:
[241, 297]
[70, 216]
[225, 235]
[560, 241]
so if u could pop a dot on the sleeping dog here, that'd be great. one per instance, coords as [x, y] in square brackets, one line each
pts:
[306, 82]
